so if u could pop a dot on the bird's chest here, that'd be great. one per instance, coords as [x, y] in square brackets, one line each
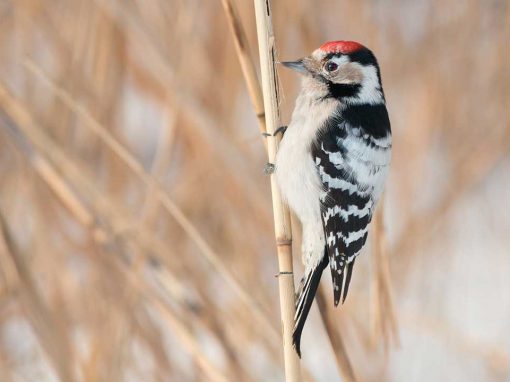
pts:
[296, 172]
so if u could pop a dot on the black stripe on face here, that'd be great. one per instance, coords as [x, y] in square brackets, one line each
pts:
[363, 57]
[339, 91]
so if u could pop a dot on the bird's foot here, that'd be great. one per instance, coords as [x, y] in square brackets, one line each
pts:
[281, 130]
[269, 168]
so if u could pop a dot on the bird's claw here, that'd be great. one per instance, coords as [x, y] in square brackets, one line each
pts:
[269, 168]
[279, 130]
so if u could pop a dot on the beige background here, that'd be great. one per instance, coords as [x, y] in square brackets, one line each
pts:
[107, 276]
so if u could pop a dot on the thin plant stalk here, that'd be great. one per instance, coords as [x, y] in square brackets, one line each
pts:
[384, 322]
[247, 65]
[254, 90]
[335, 338]
[282, 223]
[162, 196]
[58, 349]
[102, 235]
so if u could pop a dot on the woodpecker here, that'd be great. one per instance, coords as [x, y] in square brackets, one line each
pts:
[332, 163]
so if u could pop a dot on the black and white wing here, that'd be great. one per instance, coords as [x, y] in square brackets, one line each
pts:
[352, 153]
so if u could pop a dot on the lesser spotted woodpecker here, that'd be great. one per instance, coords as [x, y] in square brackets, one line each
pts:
[332, 163]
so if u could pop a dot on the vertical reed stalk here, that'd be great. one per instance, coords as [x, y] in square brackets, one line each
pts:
[249, 73]
[335, 338]
[247, 66]
[384, 318]
[282, 223]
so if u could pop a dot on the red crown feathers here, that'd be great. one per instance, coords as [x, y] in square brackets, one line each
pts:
[344, 47]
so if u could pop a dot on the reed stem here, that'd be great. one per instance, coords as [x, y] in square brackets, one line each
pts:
[282, 223]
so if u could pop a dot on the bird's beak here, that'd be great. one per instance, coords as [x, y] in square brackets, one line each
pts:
[298, 66]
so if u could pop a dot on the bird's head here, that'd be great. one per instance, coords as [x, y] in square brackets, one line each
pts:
[345, 70]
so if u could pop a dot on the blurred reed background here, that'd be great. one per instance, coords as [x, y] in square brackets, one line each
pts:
[136, 226]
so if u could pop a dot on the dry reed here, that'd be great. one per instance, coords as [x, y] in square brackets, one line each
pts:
[250, 77]
[108, 107]
[283, 231]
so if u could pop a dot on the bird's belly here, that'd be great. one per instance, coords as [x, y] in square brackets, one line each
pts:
[296, 173]
[298, 178]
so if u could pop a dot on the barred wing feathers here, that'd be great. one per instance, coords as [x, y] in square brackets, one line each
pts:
[352, 156]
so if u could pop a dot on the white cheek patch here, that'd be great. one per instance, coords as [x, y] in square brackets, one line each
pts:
[370, 92]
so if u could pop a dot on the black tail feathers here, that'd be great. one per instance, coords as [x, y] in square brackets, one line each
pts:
[307, 291]
[308, 288]
[348, 276]
[339, 284]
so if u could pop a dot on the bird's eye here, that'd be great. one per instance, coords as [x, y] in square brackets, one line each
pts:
[331, 66]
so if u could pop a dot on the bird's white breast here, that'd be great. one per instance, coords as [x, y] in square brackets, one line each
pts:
[296, 173]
